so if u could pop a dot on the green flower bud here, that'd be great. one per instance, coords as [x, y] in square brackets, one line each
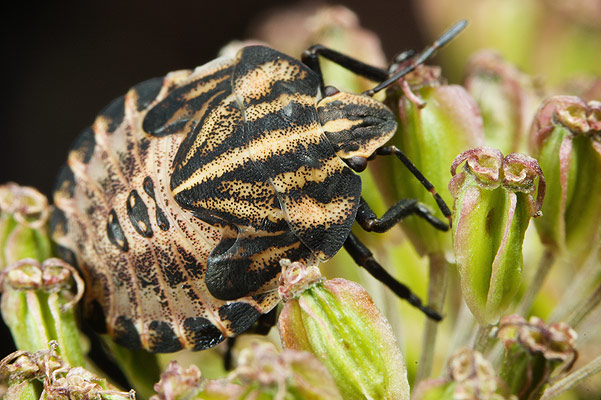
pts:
[493, 205]
[468, 375]
[533, 351]
[337, 321]
[24, 371]
[506, 98]
[442, 122]
[23, 215]
[37, 301]
[37, 305]
[566, 140]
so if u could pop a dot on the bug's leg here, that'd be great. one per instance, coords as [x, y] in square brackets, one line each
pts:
[261, 327]
[393, 150]
[310, 57]
[403, 208]
[364, 257]
[228, 357]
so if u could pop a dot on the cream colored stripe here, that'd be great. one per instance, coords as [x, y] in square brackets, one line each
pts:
[277, 142]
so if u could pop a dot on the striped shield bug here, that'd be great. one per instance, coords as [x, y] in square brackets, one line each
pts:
[181, 199]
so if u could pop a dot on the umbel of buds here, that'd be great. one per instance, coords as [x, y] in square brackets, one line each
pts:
[494, 201]
[337, 321]
[468, 375]
[262, 373]
[566, 140]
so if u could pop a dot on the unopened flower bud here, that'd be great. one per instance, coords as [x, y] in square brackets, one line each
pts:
[178, 383]
[533, 351]
[566, 140]
[23, 215]
[262, 373]
[494, 201]
[337, 321]
[436, 122]
[468, 376]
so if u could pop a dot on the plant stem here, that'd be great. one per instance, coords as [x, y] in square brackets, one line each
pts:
[573, 379]
[544, 266]
[482, 340]
[590, 304]
[437, 288]
[573, 302]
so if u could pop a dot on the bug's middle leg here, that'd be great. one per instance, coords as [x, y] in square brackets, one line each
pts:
[369, 221]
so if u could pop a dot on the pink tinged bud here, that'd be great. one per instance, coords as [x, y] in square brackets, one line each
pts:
[337, 321]
[468, 375]
[533, 351]
[566, 140]
[494, 201]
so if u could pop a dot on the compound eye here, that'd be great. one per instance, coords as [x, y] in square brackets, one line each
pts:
[330, 91]
[356, 163]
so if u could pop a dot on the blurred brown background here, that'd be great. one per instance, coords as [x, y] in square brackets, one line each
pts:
[64, 61]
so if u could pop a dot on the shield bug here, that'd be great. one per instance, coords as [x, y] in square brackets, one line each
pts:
[181, 199]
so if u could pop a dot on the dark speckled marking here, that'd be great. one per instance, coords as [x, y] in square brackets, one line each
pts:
[138, 214]
[126, 334]
[162, 220]
[84, 146]
[65, 182]
[240, 315]
[202, 333]
[58, 222]
[147, 92]
[115, 232]
[114, 113]
[162, 338]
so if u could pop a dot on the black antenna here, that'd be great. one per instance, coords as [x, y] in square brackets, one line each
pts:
[420, 58]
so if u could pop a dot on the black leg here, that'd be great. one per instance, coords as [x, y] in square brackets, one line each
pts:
[310, 58]
[393, 150]
[403, 208]
[419, 58]
[262, 327]
[376, 74]
[362, 256]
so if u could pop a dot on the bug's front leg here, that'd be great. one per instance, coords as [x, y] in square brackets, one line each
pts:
[364, 257]
[310, 57]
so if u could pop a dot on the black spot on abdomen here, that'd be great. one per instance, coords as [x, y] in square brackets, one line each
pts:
[113, 114]
[115, 232]
[202, 333]
[241, 316]
[126, 334]
[138, 214]
[162, 338]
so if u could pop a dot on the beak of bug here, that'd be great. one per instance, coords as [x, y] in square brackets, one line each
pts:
[355, 124]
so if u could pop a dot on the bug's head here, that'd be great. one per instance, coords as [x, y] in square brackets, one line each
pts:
[355, 124]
